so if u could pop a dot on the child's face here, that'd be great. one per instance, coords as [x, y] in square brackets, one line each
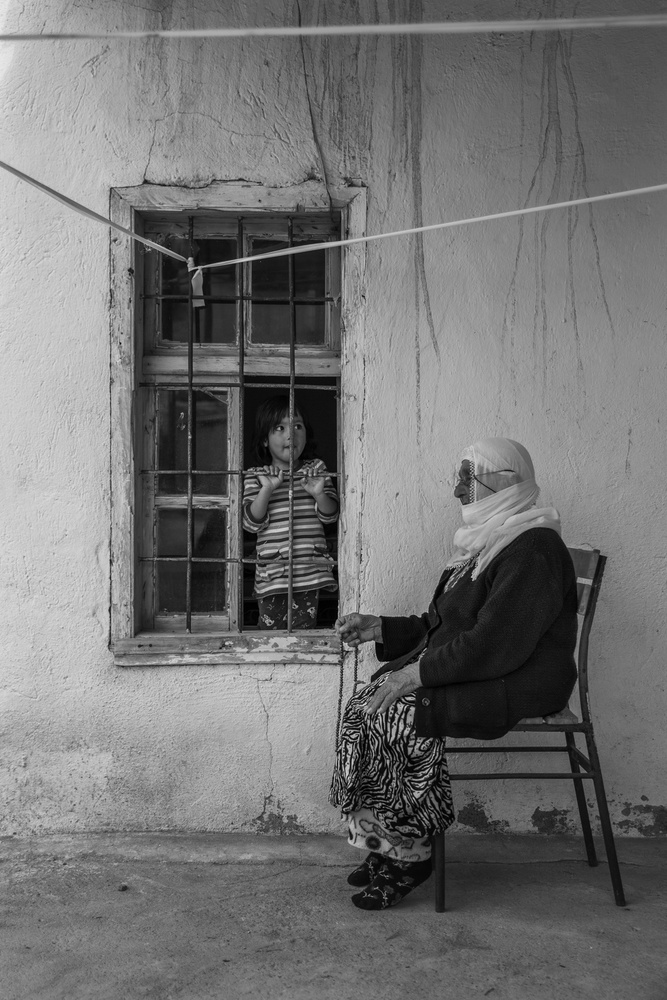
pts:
[281, 440]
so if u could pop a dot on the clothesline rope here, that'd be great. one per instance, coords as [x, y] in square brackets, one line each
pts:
[312, 247]
[338, 30]
[531, 210]
[88, 212]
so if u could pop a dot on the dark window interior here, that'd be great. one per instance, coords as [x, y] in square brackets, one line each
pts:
[321, 406]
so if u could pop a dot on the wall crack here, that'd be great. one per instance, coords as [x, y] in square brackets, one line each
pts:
[316, 140]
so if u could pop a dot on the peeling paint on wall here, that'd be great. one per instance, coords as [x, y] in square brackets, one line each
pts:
[552, 821]
[474, 816]
[645, 819]
[273, 820]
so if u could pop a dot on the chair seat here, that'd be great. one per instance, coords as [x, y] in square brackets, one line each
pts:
[565, 717]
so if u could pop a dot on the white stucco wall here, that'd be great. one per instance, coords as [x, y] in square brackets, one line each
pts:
[550, 330]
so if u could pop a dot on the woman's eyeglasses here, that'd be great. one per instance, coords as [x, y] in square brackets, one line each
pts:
[495, 472]
[465, 477]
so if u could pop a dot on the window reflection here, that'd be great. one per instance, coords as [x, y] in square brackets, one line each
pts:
[209, 442]
[270, 323]
[208, 579]
[214, 323]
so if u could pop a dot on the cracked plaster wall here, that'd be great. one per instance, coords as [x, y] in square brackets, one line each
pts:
[550, 330]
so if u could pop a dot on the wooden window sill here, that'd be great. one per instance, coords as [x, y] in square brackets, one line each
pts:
[155, 649]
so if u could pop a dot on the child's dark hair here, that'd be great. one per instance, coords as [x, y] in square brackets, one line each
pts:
[269, 414]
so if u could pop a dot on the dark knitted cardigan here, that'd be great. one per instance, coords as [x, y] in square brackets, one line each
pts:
[499, 648]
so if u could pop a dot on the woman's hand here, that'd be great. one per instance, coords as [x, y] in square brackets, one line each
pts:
[396, 685]
[312, 482]
[270, 477]
[355, 628]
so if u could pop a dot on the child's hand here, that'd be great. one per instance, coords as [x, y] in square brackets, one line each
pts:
[270, 476]
[312, 482]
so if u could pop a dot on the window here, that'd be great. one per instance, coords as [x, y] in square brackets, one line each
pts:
[202, 362]
[208, 361]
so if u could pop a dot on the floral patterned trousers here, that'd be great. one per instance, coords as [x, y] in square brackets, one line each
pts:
[273, 610]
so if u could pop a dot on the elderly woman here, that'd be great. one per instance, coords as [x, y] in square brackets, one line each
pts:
[496, 645]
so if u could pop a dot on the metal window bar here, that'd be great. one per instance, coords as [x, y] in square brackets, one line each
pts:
[244, 298]
[190, 524]
[219, 384]
[221, 472]
[240, 337]
[222, 559]
[290, 489]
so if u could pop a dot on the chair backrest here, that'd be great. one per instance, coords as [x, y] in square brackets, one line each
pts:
[589, 567]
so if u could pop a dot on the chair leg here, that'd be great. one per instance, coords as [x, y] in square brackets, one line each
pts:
[438, 848]
[581, 802]
[605, 822]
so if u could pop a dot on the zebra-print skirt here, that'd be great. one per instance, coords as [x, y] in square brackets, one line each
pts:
[383, 766]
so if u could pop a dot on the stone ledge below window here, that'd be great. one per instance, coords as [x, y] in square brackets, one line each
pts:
[158, 649]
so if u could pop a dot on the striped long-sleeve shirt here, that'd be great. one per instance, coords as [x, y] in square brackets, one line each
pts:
[311, 565]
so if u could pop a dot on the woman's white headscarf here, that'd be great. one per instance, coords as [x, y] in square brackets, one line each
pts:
[496, 520]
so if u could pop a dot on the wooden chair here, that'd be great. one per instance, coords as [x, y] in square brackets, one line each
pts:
[589, 567]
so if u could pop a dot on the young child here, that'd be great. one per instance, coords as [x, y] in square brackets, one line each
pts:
[266, 513]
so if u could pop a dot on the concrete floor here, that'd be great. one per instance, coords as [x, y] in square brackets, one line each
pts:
[166, 916]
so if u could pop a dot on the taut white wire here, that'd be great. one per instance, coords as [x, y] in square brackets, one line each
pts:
[289, 251]
[333, 30]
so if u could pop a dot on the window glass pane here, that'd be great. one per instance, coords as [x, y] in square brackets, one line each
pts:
[270, 278]
[270, 324]
[174, 272]
[209, 532]
[208, 579]
[151, 333]
[309, 274]
[209, 595]
[210, 434]
[310, 324]
[170, 588]
[151, 263]
[214, 322]
[220, 282]
[174, 326]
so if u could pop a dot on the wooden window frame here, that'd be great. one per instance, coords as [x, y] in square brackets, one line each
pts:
[130, 645]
